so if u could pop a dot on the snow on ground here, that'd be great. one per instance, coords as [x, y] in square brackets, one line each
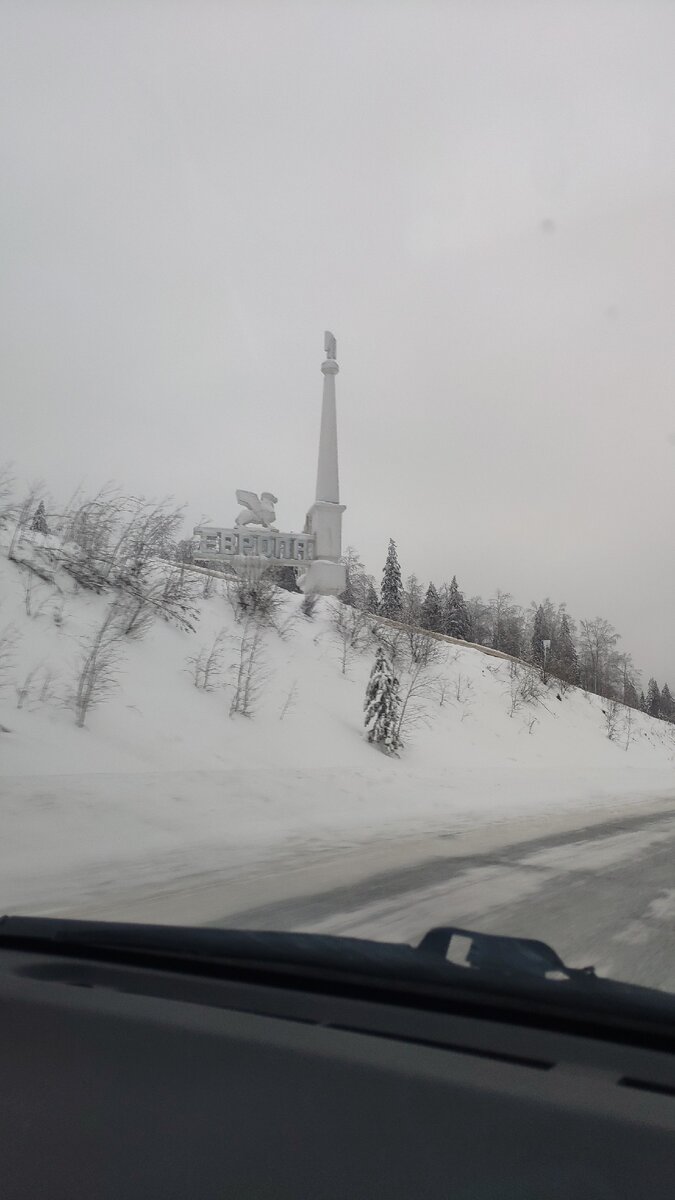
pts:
[162, 782]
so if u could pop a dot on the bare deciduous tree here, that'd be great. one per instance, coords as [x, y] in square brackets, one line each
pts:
[356, 589]
[47, 691]
[175, 598]
[289, 702]
[393, 642]
[25, 690]
[28, 592]
[422, 649]
[507, 624]
[9, 638]
[207, 664]
[525, 685]
[597, 641]
[7, 502]
[417, 687]
[629, 727]
[99, 667]
[612, 714]
[351, 628]
[249, 669]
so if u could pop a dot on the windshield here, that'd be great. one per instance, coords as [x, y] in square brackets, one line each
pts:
[338, 441]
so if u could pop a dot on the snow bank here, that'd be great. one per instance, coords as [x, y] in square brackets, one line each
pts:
[163, 781]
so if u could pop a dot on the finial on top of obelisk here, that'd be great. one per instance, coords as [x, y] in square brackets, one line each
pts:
[329, 367]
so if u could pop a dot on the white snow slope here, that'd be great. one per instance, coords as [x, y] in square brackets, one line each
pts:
[162, 783]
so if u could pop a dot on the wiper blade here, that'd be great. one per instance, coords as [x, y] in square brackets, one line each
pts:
[488, 954]
[517, 975]
[56, 935]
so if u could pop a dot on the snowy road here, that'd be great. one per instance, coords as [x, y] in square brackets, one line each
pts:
[603, 895]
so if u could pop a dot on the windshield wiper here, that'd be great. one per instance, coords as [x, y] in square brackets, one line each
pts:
[502, 978]
[488, 954]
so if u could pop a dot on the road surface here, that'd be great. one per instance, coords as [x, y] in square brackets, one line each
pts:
[603, 895]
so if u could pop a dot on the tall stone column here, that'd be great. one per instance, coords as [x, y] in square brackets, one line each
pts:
[326, 576]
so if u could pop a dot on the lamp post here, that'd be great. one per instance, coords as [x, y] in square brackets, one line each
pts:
[546, 643]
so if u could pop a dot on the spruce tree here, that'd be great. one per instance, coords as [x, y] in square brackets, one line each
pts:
[371, 603]
[382, 705]
[653, 699]
[391, 591]
[39, 522]
[666, 703]
[456, 619]
[540, 632]
[564, 663]
[643, 703]
[431, 614]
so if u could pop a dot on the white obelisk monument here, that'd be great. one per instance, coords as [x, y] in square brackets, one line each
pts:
[326, 575]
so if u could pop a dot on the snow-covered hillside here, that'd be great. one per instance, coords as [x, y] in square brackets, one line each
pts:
[162, 780]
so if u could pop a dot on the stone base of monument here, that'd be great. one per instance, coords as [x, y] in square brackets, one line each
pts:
[324, 578]
[250, 566]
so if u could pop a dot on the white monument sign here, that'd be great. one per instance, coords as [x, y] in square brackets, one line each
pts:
[317, 550]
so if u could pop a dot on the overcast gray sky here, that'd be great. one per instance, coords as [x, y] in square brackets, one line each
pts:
[477, 198]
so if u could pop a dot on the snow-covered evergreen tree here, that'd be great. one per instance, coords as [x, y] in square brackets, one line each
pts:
[39, 522]
[431, 613]
[653, 699]
[643, 703]
[666, 703]
[564, 662]
[391, 591]
[540, 631]
[382, 705]
[371, 604]
[456, 618]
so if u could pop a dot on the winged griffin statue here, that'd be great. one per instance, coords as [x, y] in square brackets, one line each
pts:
[257, 511]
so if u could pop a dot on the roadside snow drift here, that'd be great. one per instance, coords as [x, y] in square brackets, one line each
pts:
[162, 781]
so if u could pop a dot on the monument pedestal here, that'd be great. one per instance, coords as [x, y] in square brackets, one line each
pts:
[324, 578]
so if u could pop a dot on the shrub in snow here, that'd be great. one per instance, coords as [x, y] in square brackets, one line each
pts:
[525, 685]
[382, 705]
[254, 595]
